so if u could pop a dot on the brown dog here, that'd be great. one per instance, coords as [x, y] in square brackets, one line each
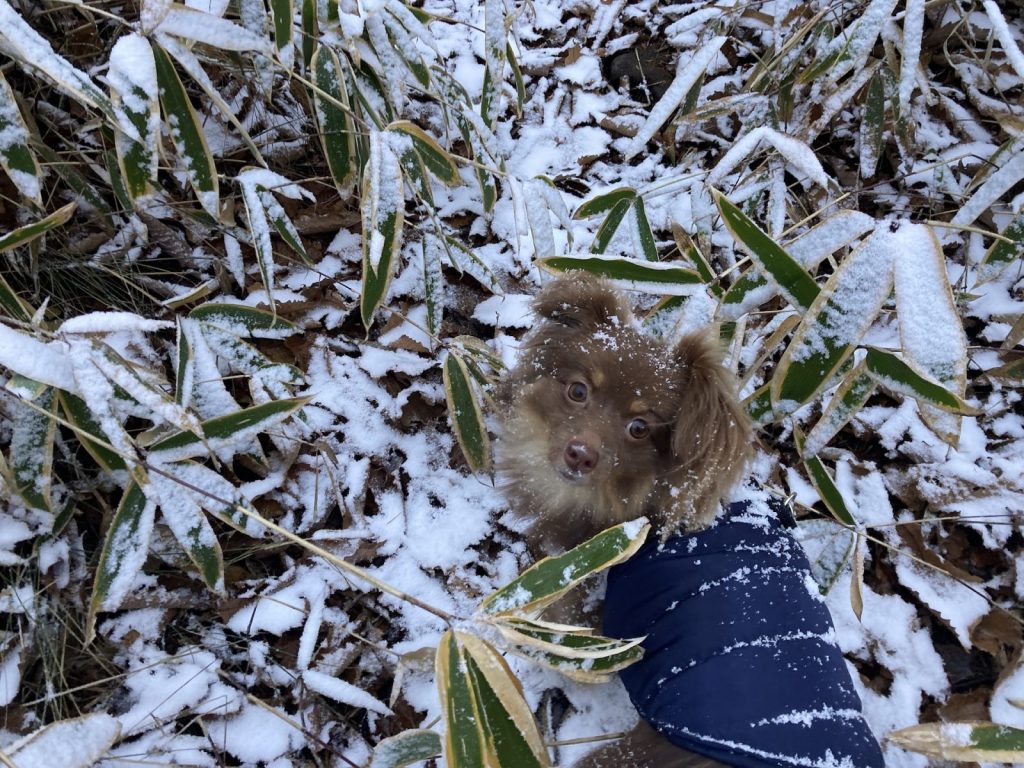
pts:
[602, 424]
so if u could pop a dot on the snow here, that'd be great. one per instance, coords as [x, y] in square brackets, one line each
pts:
[191, 24]
[342, 692]
[79, 742]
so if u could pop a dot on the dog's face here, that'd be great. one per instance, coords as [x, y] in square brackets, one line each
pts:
[601, 423]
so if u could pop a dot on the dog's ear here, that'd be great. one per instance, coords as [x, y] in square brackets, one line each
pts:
[711, 435]
[578, 299]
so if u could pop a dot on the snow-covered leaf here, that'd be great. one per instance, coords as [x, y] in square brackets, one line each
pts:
[1010, 170]
[1002, 253]
[187, 134]
[243, 320]
[32, 450]
[16, 157]
[899, 376]
[438, 161]
[465, 413]
[634, 274]
[382, 206]
[406, 748]
[199, 27]
[828, 548]
[851, 395]
[181, 511]
[133, 93]
[79, 742]
[330, 99]
[282, 11]
[89, 433]
[545, 581]
[972, 742]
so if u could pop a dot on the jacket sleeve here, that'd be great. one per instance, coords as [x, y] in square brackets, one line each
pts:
[740, 662]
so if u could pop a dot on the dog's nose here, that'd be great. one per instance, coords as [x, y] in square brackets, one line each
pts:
[581, 457]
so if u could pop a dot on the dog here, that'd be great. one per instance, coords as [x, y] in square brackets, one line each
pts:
[601, 423]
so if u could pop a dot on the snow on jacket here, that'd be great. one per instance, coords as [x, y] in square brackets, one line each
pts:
[741, 663]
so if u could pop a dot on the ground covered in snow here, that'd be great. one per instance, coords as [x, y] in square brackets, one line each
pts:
[881, 144]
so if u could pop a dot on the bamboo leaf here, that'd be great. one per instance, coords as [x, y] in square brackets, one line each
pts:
[857, 386]
[133, 93]
[12, 304]
[899, 376]
[544, 582]
[182, 513]
[795, 284]
[433, 283]
[89, 432]
[330, 100]
[406, 748]
[124, 552]
[604, 202]
[1002, 253]
[382, 207]
[437, 160]
[187, 133]
[970, 742]
[823, 483]
[231, 426]
[605, 232]
[759, 405]
[510, 732]
[872, 128]
[16, 158]
[643, 229]
[282, 12]
[828, 549]
[836, 320]
[32, 450]
[464, 738]
[465, 414]
[633, 274]
[29, 232]
[80, 742]
[584, 657]
[243, 320]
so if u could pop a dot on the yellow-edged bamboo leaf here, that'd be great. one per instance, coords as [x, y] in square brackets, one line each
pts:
[89, 432]
[970, 742]
[438, 161]
[636, 274]
[79, 742]
[465, 413]
[187, 134]
[16, 157]
[382, 207]
[406, 748]
[836, 320]
[758, 405]
[464, 738]
[544, 582]
[823, 483]
[133, 93]
[243, 320]
[899, 376]
[795, 284]
[1002, 253]
[330, 99]
[586, 658]
[828, 549]
[610, 225]
[231, 425]
[29, 232]
[510, 732]
[12, 304]
[855, 389]
[1011, 371]
[604, 202]
[125, 549]
[32, 450]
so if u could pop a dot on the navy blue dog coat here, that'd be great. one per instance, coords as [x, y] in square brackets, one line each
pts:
[741, 663]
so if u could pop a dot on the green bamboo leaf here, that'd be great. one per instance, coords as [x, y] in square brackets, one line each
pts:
[12, 304]
[32, 450]
[382, 207]
[183, 514]
[330, 99]
[438, 161]
[583, 657]
[692, 254]
[406, 748]
[517, 78]
[546, 581]
[795, 284]
[433, 283]
[231, 425]
[495, 46]
[823, 483]
[872, 128]
[605, 232]
[643, 228]
[284, 226]
[187, 134]
[282, 12]
[898, 376]
[464, 738]
[970, 742]
[836, 320]
[857, 386]
[16, 158]
[124, 551]
[465, 414]
[659, 277]
[604, 202]
[184, 374]
[132, 79]
[243, 320]
[89, 432]
[35, 230]
[1002, 253]
[828, 549]
[310, 32]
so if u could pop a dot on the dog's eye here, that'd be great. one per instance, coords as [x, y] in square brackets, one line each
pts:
[638, 429]
[577, 392]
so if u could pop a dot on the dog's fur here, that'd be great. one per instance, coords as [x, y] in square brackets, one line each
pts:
[601, 424]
